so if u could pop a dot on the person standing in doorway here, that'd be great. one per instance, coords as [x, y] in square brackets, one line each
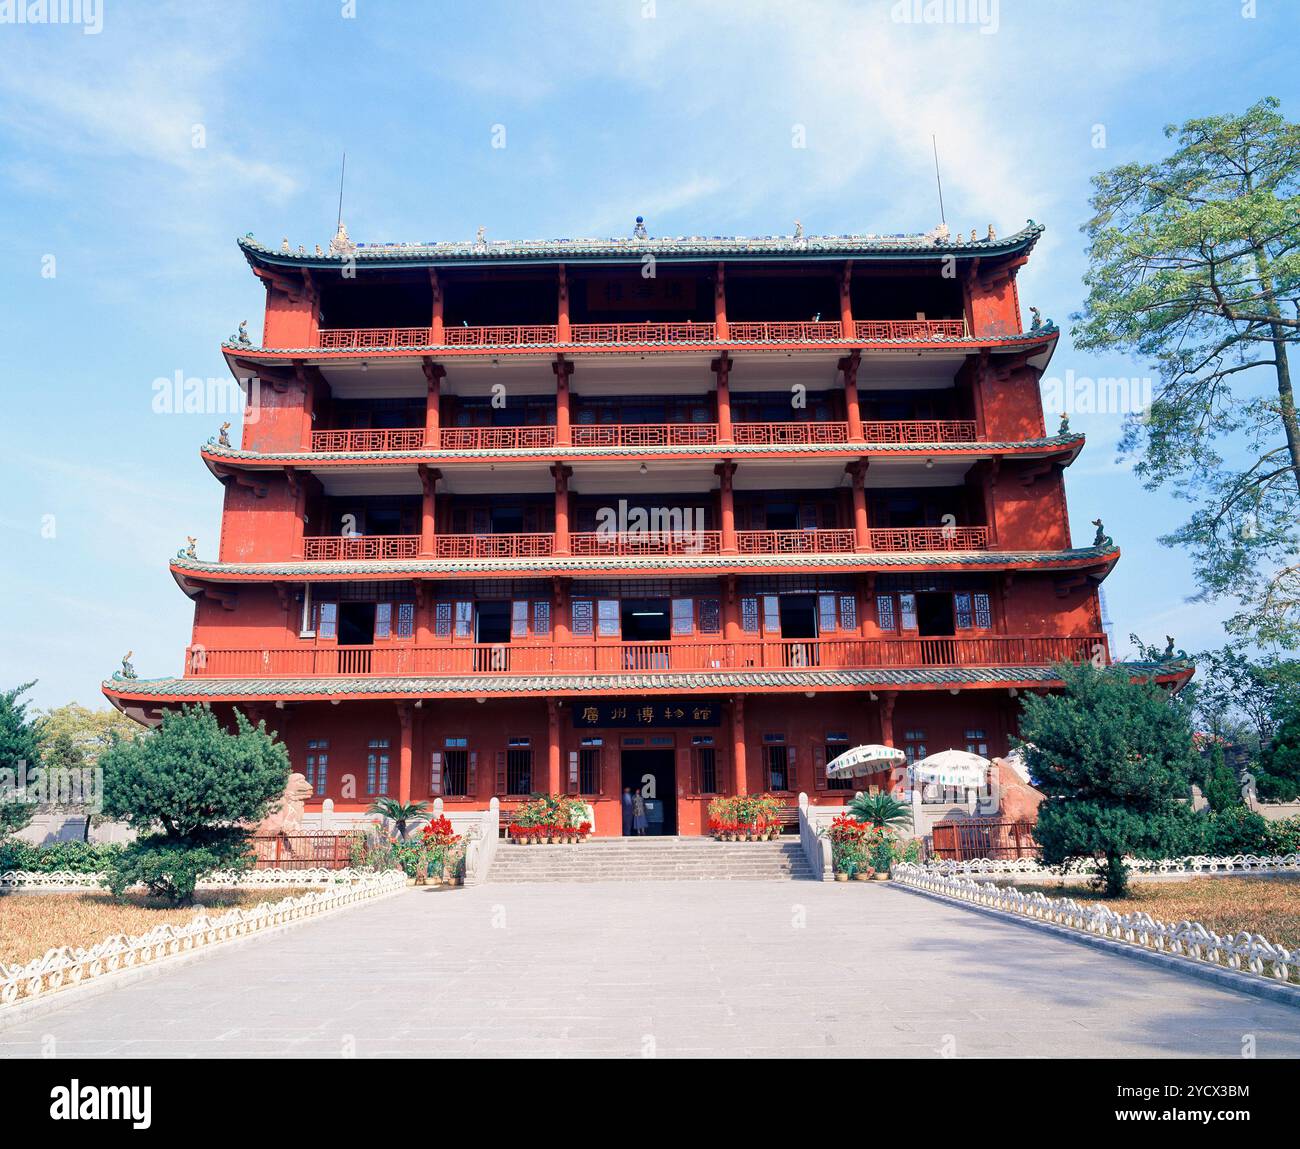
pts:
[627, 811]
[638, 814]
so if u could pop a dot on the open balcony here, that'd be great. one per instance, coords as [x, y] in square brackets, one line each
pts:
[615, 658]
[644, 334]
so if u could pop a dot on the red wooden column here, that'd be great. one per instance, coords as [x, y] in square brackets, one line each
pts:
[405, 753]
[553, 747]
[435, 320]
[731, 610]
[560, 633]
[861, 529]
[433, 374]
[310, 382]
[887, 730]
[298, 489]
[721, 332]
[847, 328]
[563, 329]
[563, 369]
[740, 781]
[423, 615]
[852, 408]
[429, 477]
[727, 505]
[561, 473]
[721, 367]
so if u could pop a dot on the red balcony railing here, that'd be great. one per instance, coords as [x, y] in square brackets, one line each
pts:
[788, 434]
[665, 435]
[503, 546]
[342, 547]
[872, 330]
[920, 431]
[645, 434]
[405, 659]
[810, 332]
[813, 542]
[385, 439]
[930, 539]
[495, 438]
[642, 333]
[672, 541]
[590, 334]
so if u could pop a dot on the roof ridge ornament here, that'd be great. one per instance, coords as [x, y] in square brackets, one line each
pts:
[341, 244]
[640, 231]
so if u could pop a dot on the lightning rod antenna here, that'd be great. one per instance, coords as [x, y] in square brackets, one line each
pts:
[938, 182]
[342, 173]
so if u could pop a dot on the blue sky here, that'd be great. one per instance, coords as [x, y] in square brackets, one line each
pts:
[682, 112]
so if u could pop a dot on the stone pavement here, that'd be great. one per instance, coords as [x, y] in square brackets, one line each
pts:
[670, 969]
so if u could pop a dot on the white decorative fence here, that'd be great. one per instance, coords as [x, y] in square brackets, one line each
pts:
[219, 880]
[68, 966]
[1197, 864]
[1244, 952]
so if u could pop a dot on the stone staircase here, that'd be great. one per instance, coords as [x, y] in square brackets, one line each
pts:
[651, 860]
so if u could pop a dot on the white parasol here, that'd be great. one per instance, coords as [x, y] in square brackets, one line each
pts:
[958, 768]
[864, 760]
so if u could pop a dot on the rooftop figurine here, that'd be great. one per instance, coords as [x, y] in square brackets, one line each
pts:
[1037, 321]
[188, 550]
[242, 334]
[798, 229]
[1102, 539]
[640, 231]
[341, 244]
[223, 436]
[1064, 428]
[480, 237]
[127, 671]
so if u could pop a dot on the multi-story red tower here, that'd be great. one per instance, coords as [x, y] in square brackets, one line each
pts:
[553, 516]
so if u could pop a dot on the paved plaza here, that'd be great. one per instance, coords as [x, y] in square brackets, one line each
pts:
[667, 969]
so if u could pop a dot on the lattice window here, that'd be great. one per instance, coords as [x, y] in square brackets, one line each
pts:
[583, 616]
[848, 612]
[983, 613]
[683, 615]
[318, 761]
[749, 615]
[885, 612]
[377, 766]
[442, 620]
[710, 614]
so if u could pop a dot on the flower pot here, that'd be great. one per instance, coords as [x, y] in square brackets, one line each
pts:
[862, 876]
[841, 876]
[882, 877]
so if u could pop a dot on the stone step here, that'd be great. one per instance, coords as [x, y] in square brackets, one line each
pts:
[651, 859]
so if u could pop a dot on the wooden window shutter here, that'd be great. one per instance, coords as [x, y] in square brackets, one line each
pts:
[791, 775]
[435, 774]
[819, 767]
[501, 772]
[471, 775]
[573, 772]
[693, 783]
[722, 781]
[684, 771]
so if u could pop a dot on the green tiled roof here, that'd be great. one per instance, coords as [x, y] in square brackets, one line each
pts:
[1076, 556]
[679, 248]
[706, 450]
[498, 684]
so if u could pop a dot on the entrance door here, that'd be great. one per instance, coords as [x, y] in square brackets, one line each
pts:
[799, 620]
[653, 774]
[356, 628]
[934, 620]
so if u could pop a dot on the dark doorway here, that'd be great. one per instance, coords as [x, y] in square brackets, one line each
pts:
[653, 770]
[782, 517]
[356, 623]
[492, 622]
[507, 520]
[934, 617]
[799, 620]
[645, 620]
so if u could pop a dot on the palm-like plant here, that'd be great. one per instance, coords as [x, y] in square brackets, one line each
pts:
[400, 813]
[880, 810]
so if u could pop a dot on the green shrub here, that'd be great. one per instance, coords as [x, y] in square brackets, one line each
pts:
[1234, 831]
[79, 857]
[171, 869]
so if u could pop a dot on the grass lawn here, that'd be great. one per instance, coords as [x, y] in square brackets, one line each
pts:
[31, 924]
[1265, 905]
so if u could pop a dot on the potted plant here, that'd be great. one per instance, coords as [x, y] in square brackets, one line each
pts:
[864, 874]
[881, 858]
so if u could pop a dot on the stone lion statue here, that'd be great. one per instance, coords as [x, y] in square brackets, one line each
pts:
[285, 816]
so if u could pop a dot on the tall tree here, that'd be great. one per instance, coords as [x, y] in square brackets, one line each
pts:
[1113, 757]
[1194, 263]
[91, 731]
[20, 749]
[190, 788]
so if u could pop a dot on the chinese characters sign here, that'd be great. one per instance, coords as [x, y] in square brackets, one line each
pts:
[589, 715]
